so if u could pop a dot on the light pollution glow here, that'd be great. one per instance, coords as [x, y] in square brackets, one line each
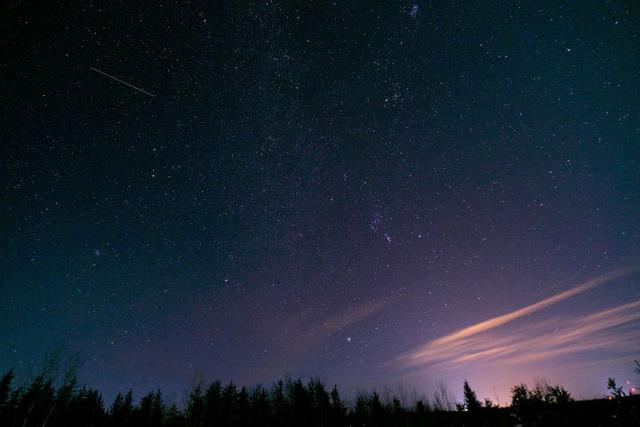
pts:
[608, 335]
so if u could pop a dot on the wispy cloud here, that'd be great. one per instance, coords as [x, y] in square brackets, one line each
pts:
[307, 340]
[486, 343]
[344, 319]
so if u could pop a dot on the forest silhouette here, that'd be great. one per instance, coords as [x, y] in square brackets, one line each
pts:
[54, 397]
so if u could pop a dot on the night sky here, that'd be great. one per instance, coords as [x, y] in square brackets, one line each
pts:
[375, 193]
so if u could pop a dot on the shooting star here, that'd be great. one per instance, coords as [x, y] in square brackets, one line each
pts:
[122, 81]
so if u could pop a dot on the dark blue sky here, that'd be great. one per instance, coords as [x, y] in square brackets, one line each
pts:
[322, 188]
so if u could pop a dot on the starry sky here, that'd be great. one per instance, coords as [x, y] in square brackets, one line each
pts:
[375, 193]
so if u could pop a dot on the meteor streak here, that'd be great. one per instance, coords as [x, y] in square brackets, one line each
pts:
[123, 82]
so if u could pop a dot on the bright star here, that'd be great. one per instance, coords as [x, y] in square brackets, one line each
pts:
[414, 11]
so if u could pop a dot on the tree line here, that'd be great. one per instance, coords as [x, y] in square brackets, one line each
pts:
[59, 400]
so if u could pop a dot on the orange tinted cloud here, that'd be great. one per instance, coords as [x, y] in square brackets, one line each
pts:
[485, 343]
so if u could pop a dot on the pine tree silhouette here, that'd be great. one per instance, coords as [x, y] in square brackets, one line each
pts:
[338, 411]
[471, 402]
[121, 412]
[5, 389]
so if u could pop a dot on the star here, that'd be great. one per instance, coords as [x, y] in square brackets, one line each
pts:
[413, 12]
